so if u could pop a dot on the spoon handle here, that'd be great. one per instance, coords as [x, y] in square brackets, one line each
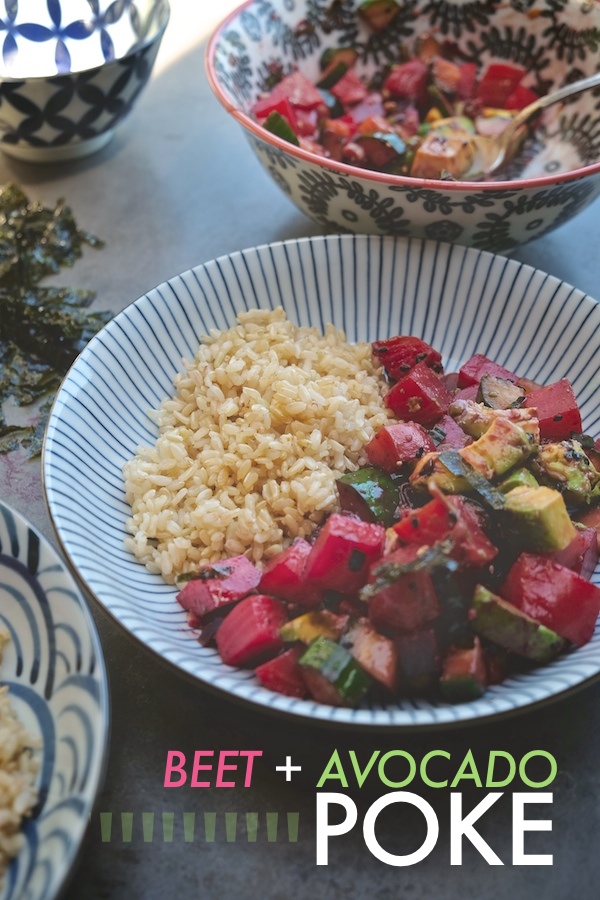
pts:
[508, 135]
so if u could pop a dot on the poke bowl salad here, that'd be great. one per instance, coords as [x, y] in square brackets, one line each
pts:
[348, 518]
[351, 479]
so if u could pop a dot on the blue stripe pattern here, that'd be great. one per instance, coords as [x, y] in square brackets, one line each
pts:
[462, 300]
[55, 673]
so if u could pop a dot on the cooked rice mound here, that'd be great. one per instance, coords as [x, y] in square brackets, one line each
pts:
[262, 423]
[18, 769]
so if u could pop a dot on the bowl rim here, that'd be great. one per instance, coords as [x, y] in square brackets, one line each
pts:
[367, 174]
[133, 51]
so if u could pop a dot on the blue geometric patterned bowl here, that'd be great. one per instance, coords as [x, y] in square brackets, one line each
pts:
[71, 70]
[555, 42]
[461, 300]
[57, 684]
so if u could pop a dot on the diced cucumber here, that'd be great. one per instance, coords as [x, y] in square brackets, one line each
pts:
[464, 675]
[378, 13]
[279, 126]
[332, 675]
[371, 494]
[332, 75]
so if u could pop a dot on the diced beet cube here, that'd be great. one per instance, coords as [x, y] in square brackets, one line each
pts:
[581, 555]
[557, 410]
[283, 576]
[372, 105]
[419, 397]
[520, 98]
[475, 368]
[425, 525]
[250, 633]
[591, 519]
[299, 91]
[349, 89]
[282, 674]
[455, 438]
[497, 84]
[408, 80]
[282, 105]
[450, 379]
[553, 595]
[398, 355]
[396, 445]
[468, 393]
[419, 661]
[467, 82]
[342, 553]
[219, 585]
[409, 602]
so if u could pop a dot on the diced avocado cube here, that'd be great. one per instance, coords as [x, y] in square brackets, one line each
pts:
[452, 125]
[431, 470]
[566, 466]
[378, 13]
[518, 478]
[541, 518]
[505, 625]
[439, 153]
[308, 627]
[501, 447]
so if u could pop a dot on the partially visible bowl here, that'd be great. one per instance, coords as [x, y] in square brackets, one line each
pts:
[71, 70]
[555, 42]
[57, 684]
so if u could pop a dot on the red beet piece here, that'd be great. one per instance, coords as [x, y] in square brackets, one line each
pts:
[219, 585]
[554, 596]
[420, 397]
[398, 355]
[282, 674]
[396, 445]
[299, 91]
[467, 82]
[520, 98]
[497, 84]
[409, 602]
[342, 553]
[581, 555]
[283, 576]
[475, 368]
[455, 438]
[251, 631]
[408, 80]
[557, 410]
[349, 89]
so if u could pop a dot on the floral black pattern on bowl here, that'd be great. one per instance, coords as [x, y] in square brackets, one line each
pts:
[556, 177]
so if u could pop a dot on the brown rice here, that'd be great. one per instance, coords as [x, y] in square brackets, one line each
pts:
[263, 421]
[18, 770]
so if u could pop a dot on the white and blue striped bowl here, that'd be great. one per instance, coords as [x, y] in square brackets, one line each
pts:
[461, 300]
[57, 684]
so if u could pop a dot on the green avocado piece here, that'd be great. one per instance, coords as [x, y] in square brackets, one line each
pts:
[332, 675]
[518, 478]
[464, 674]
[371, 494]
[499, 393]
[505, 625]
[475, 418]
[541, 518]
[504, 445]
[280, 127]
[566, 466]
[453, 124]
[309, 626]
[378, 13]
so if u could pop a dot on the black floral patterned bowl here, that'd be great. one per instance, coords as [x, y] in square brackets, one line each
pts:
[558, 176]
[71, 70]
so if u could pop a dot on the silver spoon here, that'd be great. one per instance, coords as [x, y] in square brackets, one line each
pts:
[509, 139]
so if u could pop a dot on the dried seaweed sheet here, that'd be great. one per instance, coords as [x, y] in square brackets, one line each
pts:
[42, 329]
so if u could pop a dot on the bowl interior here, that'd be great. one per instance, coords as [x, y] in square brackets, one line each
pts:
[557, 43]
[42, 38]
[55, 673]
[461, 300]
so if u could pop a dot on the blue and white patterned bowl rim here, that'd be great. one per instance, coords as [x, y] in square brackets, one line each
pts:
[57, 683]
[460, 299]
[45, 38]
